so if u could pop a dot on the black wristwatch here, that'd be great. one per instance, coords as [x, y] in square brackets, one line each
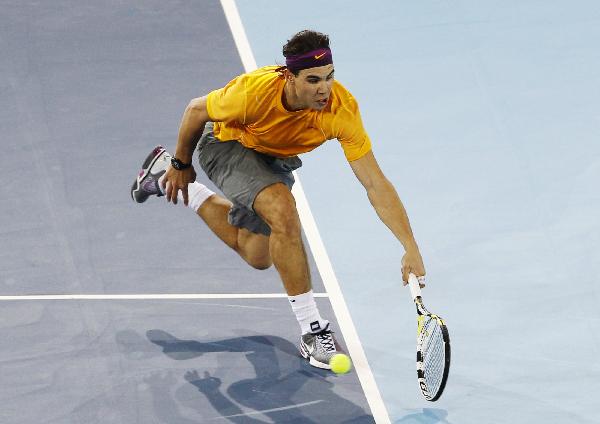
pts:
[179, 165]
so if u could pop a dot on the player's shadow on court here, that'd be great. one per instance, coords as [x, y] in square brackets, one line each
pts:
[282, 387]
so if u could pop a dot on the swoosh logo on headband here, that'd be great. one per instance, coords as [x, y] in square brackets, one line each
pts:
[320, 56]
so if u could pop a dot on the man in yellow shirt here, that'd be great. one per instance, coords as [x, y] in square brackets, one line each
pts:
[248, 136]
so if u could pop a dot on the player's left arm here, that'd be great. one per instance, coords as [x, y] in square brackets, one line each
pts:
[389, 208]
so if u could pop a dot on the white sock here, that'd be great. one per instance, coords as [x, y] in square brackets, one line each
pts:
[197, 194]
[307, 314]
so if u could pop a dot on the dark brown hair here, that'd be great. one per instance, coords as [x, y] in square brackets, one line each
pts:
[303, 42]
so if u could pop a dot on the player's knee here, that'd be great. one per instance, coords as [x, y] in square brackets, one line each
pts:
[285, 219]
[258, 259]
[260, 263]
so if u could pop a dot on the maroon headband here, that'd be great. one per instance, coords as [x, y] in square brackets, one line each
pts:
[312, 59]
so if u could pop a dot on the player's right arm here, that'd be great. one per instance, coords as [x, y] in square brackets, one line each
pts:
[192, 124]
[225, 104]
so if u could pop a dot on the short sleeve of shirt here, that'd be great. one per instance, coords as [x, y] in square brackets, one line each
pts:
[228, 104]
[349, 130]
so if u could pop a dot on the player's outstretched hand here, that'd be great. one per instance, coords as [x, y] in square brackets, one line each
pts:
[175, 180]
[412, 262]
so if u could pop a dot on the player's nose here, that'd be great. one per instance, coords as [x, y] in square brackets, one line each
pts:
[322, 88]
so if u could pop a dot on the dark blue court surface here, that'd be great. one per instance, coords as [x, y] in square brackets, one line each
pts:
[87, 91]
[165, 361]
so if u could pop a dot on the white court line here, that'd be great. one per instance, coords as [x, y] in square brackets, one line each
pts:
[361, 365]
[266, 411]
[151, 296]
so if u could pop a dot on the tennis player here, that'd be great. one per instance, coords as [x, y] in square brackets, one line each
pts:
[248, 136]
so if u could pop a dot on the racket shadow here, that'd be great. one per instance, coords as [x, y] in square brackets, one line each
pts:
[427, 416]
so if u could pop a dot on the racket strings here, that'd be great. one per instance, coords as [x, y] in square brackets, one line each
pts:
[433, 354]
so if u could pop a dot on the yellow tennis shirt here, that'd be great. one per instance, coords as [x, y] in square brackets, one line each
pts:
[249, 109]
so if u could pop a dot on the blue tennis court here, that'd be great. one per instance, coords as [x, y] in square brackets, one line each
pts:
[483, 115]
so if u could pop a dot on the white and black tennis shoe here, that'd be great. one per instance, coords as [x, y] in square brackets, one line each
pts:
[319, 348]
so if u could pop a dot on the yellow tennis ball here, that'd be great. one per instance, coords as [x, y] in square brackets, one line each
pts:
[340, 363]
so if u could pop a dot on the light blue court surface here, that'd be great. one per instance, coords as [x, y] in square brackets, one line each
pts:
[485, 117]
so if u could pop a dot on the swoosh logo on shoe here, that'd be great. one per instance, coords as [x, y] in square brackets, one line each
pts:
[319, 56]
[309, 348]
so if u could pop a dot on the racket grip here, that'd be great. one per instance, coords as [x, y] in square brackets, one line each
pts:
[413, 283]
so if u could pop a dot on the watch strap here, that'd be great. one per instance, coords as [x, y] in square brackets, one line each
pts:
[179, 165]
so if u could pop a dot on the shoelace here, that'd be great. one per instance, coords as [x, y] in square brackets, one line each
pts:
[326, 340]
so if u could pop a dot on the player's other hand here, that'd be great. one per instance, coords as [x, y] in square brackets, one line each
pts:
[175, 180]
[412, 262]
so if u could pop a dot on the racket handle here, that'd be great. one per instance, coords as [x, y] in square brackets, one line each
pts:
[415, 287]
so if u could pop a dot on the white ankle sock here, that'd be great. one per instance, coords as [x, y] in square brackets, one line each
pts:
[197, 194]
[307, 314]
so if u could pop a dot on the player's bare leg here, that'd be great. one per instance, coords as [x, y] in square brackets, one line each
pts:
[277, 207]
[252, 247]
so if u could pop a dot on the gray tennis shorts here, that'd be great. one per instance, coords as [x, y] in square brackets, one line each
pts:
[241, 173]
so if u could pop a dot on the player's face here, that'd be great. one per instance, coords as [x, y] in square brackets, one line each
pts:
[313, 86]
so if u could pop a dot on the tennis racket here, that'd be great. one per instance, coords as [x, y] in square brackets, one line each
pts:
[433, 346]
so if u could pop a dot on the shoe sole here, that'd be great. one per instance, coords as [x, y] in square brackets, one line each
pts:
[311, 360]
[146, 167]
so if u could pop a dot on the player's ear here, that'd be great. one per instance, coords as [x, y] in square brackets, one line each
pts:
[289, 76]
